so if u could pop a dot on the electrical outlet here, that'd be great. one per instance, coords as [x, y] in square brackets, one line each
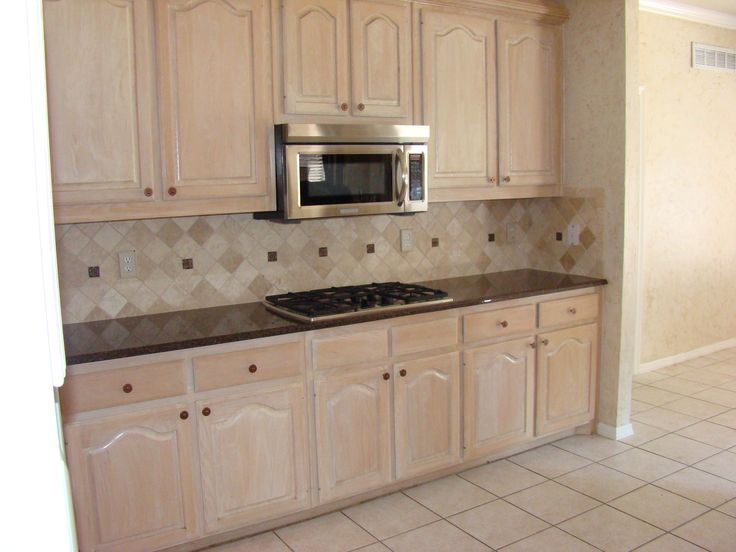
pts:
[512, 232]
[407, 240]
[128, 266]
[573, 234]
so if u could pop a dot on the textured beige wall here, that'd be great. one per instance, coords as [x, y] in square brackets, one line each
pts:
[595, 160]
[689, 227]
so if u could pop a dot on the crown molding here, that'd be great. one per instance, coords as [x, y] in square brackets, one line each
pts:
[683, 10]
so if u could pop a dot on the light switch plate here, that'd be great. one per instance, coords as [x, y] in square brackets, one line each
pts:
[407, 240]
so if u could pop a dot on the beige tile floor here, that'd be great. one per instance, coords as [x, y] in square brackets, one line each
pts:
[670, 487]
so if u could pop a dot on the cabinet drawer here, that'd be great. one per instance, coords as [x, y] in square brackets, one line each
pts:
[248, 366]
[123, 386]
[566, 311]
[497, 323]
[424, 336]
[349, 349]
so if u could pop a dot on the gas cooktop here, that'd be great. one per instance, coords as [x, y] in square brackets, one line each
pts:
[338, 302]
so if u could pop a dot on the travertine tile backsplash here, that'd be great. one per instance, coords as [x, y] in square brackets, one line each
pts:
[230, 253]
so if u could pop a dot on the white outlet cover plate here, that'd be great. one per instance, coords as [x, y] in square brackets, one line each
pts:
[127, 261]
[407, 240]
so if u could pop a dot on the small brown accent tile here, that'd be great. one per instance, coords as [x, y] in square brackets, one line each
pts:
[370, 248]
[93, 271]
[187, 264]
[273, 256]
[322, 251]
[567, 262]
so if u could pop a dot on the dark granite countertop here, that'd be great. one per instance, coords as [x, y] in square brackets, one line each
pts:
[156, 333]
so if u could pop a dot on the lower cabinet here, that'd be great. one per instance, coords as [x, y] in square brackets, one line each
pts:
[499, 396]
[353, 419]
[427, 414]
[132, 480]
[253, 455]
[566, 377]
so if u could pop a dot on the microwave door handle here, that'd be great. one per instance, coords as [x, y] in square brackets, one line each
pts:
[401, 177]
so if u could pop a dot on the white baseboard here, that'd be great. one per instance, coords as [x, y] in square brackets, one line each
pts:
[615, 433]
[688, 355]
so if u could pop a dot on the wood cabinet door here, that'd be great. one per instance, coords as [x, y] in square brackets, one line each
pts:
[101, 100]
[427, 414]
[132, 480]
[353, 418]
[216, 110]
[459, 104]
[499, 396]
[253, 452]
[315, 57]
[380, 45]
[529, 104]
[567, 369]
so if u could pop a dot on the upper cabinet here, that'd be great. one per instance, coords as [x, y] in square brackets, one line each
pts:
[101, 101]
[459, 104]
[215, 98]
[529, 104]
[491, 94]
[345, 60]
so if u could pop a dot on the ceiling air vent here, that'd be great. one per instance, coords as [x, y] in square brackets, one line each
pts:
[714, 58]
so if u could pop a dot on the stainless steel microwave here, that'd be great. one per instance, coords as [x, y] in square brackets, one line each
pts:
[337, 170]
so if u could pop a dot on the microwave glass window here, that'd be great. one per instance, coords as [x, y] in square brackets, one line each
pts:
[333, 179]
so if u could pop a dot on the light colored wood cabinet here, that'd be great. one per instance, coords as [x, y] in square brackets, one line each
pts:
[346, 59]
[253, 455]
[567, 367]
[529, 104]
[459, 104]
[132, 480]
[353, 428]
[316, 75]
[427, 414]
[101, 101]
[215, 90]
[499, 396]
[380, 47]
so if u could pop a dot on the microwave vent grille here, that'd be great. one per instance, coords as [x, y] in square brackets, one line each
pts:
[714, 58]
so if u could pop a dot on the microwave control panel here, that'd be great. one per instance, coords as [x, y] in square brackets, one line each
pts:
[416, 178]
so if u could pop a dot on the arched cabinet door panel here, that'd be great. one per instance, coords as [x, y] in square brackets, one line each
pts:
[132, 480]
[529, 104]
[254, 461]
[353, 431]
[499, 396]
[427, 414]
[567, 367]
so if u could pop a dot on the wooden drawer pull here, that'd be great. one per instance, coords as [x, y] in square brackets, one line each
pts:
[533, 345]
[402, 373]
[127, 388]
[252, 368]
[361, 107]
[386, 376]
[172, 191]
[344, 106]
[503, 323]
[507, 179]
[545, 342]
[148, 192]
[572, 310]
[184, 414]
[206, 411]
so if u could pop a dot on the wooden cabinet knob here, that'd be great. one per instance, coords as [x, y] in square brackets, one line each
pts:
[206, 411]
[572, 310]
[183, 414]
[148, 192]
[172, 191]
[344, 106]
[503, 323]
[361, 107]
[492, 180]
[252, 368]
[533, 345]
[402, 373]
[545, 342]
[386, 376]
[507, 179]
[127, 388]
